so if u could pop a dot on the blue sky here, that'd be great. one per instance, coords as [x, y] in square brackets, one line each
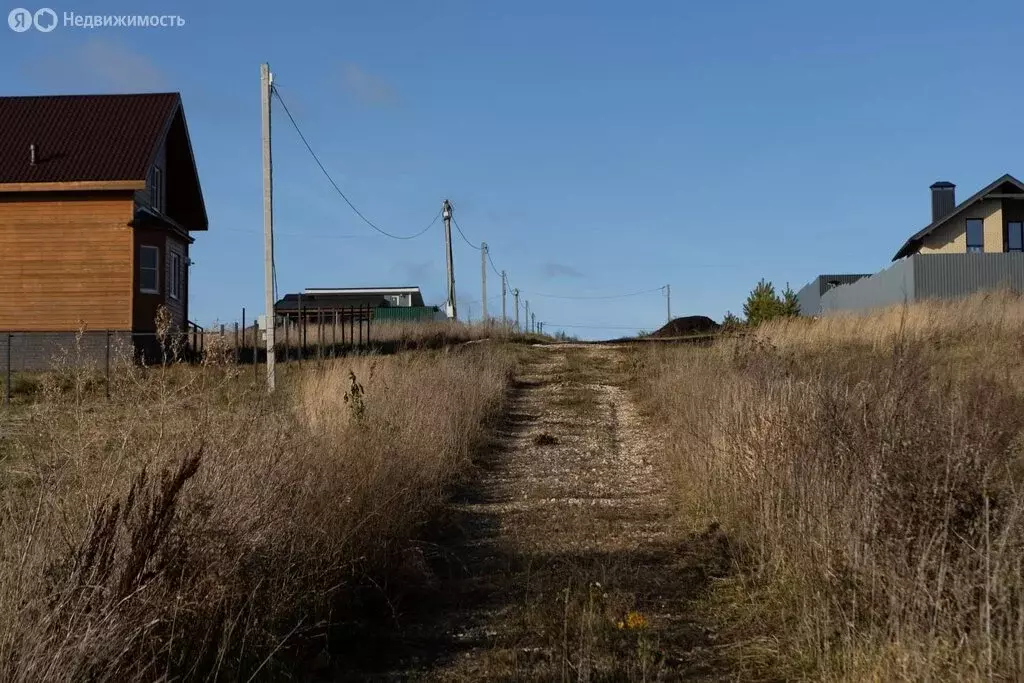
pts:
[598, 147]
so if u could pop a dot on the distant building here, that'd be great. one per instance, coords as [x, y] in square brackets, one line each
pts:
[379, 303]
[969, 247]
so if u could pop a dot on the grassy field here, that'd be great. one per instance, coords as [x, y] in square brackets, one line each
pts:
[867, 473]
[192, 527]
[387, 334]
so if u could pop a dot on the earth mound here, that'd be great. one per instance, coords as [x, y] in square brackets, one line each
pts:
[688, 325]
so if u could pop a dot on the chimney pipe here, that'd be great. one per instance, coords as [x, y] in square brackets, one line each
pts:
[943, 199]
[32, 154]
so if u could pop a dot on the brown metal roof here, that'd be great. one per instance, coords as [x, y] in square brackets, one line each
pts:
[82, 137]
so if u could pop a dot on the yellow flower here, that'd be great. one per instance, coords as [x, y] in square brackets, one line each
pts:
[635, 620]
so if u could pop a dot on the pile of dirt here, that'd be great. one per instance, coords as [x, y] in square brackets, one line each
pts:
[687, 325]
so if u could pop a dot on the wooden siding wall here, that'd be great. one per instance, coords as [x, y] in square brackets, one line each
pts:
[143, 196]
[64, 259]
[145, 307]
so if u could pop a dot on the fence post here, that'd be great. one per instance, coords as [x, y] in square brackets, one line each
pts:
[243, 332]
[7, 383]
[352, 326]
[298, 330]
[108, 364]
[255, 350]
[361, 326]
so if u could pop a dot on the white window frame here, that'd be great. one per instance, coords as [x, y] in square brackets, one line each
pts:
[155, 269]
[156, 189]
[174, 276]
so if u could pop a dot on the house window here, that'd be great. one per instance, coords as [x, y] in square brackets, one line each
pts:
[975, 235]
[174, 277]
[156, 188]
[149, 270]
[1015, 236]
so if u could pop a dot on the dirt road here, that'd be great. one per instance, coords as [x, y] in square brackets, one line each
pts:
[561, 561]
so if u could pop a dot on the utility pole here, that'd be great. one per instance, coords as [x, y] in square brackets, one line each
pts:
[266, 83]
[527, 315]
[446, 212]
[668, 301]
[533, 325]
[515, 294]
[483, 279]
[504, 291]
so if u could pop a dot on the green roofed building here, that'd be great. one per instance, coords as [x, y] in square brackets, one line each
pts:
[398, 304]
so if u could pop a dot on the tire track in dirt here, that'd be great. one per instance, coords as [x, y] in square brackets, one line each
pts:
[561, 560]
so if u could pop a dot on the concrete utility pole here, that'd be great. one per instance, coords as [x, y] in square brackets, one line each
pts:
[504, 292]
[483, 279]
[446, 212]
[668, 301]
[527, 315]
[515, 295]
[533, 324]
[266, 83]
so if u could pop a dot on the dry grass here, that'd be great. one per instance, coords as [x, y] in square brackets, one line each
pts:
[402, 335]
[192, 528]
[997, 314]
[868, 473]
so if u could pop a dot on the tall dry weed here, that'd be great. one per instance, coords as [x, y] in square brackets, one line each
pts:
[192, 528]
[871, 486]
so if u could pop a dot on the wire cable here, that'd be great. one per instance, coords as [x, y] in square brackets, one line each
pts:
[595, 298]
[352, 206]
[465, 239]
[493, 267]
[591, 327]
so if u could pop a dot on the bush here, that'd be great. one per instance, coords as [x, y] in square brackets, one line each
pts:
[763, 304]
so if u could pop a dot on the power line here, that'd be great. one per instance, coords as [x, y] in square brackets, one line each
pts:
[298, 233]
[591, 327]
[466, 239]
[493, 267]
[610, 296]
[366, 220]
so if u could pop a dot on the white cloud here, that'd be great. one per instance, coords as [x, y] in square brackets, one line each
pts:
[553, 270]
[98, 66]
[366, 87]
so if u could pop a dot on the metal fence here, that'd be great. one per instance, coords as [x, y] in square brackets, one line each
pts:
[928, 276]
[314, 334]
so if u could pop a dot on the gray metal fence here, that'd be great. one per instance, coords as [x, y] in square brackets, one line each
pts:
[928, 276]
[317, 334]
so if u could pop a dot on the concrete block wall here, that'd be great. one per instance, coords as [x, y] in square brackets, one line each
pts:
[36, 351]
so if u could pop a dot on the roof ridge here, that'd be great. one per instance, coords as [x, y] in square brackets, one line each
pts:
[94, 94]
